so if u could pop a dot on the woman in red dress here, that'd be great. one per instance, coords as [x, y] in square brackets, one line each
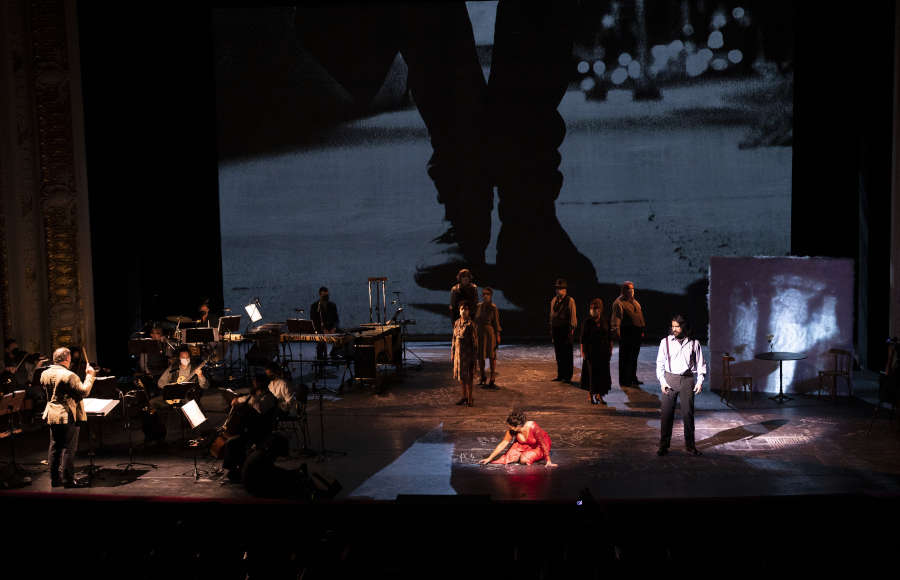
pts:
[531, 442]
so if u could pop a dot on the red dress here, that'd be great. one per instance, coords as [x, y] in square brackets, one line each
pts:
[532, 444]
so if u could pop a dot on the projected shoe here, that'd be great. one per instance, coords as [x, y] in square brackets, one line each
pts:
[462, 245]
[533, 250]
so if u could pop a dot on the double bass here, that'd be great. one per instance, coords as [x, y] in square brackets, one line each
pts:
[230, 429]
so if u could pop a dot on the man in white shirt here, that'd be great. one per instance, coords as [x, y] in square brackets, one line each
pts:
[680, 369]
[279, 387]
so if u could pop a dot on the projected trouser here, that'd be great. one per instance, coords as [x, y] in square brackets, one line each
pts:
[505, 132]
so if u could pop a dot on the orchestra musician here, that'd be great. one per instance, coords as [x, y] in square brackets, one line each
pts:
[184, 371]
[279, 387]
[206, 317]
[64, 414]
[12, 355]
[254, 414]
[324, 315]
[156, 362]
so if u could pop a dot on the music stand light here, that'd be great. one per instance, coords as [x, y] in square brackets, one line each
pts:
[253, 312]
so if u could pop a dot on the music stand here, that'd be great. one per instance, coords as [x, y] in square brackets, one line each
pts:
[174, 394]
[141, 345]
[229, 324]
[194, 417]
[96, 407]
[202, 334]
[11, 404]
[300, 326]
[126, 422]
[323, 451]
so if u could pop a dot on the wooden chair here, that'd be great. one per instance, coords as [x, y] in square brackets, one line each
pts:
[841, 368]
[730, 381]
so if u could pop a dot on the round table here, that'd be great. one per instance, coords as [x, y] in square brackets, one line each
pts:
[780, 356]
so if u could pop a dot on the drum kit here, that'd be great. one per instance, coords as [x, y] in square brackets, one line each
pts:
[203, 342]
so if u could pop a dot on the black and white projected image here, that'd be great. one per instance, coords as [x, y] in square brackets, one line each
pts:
[410, 140]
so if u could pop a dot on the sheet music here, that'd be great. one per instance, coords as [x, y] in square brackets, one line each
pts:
[100, 407]
[193, 413]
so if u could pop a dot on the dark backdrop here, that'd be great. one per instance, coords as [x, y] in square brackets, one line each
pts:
[148, 82]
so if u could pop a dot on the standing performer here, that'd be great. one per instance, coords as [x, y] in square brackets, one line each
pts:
[596, 350]
[463, 291]
[324, 315]
[679, 359]
[487, 320]
[531, 442]
[464, 353]
[627, 324]
[206, 317]
[562, 330]
[64, 413]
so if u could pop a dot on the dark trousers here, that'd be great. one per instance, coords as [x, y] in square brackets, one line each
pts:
[629, 348]
[562, 346]
[681, 386]
[61, 456]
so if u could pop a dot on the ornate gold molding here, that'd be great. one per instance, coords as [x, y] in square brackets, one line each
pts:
[50, 75]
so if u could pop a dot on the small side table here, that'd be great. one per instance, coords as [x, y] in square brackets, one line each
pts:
[780, 356]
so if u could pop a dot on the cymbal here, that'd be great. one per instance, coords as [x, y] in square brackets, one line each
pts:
[178, 318]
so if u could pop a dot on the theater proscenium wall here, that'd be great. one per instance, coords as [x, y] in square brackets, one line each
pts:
[46, 293]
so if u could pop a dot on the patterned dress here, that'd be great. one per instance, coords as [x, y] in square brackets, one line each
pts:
[532, 444]
[487, 320]
[464, 350]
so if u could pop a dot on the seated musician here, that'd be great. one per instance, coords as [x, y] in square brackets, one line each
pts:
[279, 388]
[12, 359]
[182, 372]
[155, 363]
[12, 355]
[254, 414]
[324, 315]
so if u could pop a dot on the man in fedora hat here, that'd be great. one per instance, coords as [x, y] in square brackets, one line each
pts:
[562, 329]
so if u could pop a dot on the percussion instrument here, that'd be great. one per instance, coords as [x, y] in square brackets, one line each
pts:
[338, 339]
[178, 318]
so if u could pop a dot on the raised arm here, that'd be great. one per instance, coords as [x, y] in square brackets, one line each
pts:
[84, 389]
[507, 437]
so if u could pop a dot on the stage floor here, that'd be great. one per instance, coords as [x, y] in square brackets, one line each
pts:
[412, 439]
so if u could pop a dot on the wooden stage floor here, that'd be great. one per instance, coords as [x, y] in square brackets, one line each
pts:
[412, 440]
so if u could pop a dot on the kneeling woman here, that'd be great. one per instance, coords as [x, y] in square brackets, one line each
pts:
[531, 442]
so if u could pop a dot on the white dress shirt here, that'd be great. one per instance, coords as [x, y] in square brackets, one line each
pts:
[283, 394]
[682, 355]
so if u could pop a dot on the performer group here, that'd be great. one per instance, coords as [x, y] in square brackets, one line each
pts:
[476, 335]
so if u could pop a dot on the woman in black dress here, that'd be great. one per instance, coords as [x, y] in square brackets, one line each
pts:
[596, 350]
